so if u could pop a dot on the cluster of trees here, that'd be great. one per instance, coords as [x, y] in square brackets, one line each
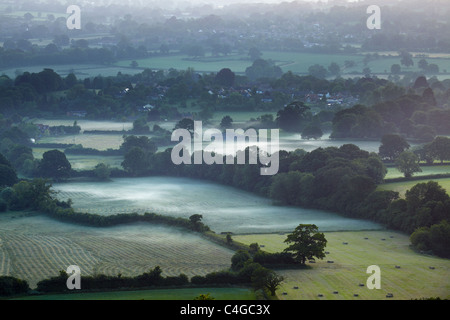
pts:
[414, 116]
[394, 148]
[438, 149]
[10, 286]
[22, 53]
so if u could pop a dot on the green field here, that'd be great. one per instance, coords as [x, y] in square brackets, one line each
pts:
[156, 294]
[426, 171]
[288, 61]
[402, 187]
[413, 279]
[238, 63]
[81, 71]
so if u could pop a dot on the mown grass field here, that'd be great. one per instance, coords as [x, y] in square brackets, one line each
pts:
[34, 247]
[157, 294]
[402, 187]
[413, 279]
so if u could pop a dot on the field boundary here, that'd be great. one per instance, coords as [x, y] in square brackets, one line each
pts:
[417, 178]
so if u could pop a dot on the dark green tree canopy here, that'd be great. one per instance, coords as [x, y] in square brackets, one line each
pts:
[54, 164]
[8, 176]
[392, 145]
[306, 243]
[292, 116]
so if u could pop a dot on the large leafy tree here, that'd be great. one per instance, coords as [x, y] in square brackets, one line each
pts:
[291, 117]
[440, 148]
[225, 77]
[136, 161]
[263, 278]
[392, 145]
[54, 164]
[142, 142]
[306, 243]
[8, 176]
[185, 123]
[407, 163]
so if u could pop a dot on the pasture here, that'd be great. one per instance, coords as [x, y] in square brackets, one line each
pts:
[404, 273]
[34, 247]
[86, 124]
[224, 209]
[402, 187]
[232, 293]
[81, 71]
[426, 171]
[297, 62]
[95, 141]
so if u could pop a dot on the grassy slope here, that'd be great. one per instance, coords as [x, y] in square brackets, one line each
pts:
[413, 280]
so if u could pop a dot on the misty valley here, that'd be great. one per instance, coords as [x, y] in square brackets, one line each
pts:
[229, 150]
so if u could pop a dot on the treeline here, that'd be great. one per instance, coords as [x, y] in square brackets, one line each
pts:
[37, 194]
[245, 270]
[341, 180]
[413, 115]
[152, 278]
[15, 57]
[246, 273]
[10, 286]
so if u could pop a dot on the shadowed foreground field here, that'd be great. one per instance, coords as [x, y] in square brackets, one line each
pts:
[159, 294]
[34, 247]
[404, 273]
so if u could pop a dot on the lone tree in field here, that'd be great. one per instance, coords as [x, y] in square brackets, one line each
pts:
[292, 116]
[407, 163]
[226, 123]
[307, 243]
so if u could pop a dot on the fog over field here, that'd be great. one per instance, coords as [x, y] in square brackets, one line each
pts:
[223, 208]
